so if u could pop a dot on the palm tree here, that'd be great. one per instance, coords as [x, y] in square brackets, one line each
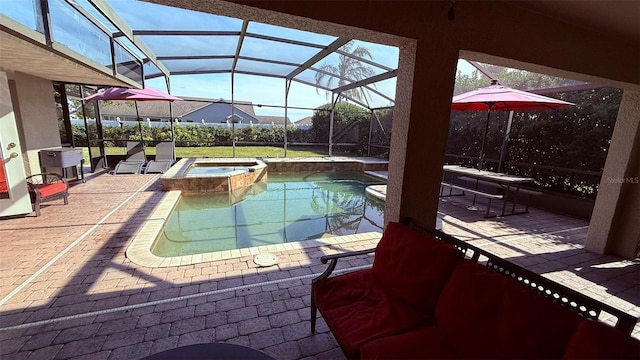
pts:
[349, 69]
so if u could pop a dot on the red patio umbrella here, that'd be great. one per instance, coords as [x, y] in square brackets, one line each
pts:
[147, 94]
[117, 93]
[501, 98]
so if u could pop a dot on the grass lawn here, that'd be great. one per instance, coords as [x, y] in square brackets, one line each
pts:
[220, 151]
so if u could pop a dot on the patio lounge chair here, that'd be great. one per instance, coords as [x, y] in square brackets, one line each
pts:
[45, 187]
[164, 158]
[136, 159]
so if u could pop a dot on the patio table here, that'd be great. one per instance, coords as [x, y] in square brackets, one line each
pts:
[508, 182]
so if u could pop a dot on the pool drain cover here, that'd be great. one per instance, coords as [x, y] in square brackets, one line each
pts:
[265, 259]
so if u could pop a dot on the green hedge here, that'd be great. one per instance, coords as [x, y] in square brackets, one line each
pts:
[191, 135]
[351, 125]
[574, 137]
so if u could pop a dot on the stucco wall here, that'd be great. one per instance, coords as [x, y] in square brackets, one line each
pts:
[19, 202]
[36, 117]
[614, 226]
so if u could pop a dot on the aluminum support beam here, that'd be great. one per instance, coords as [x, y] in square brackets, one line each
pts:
[243, 32]
[334, 101]
[287, 87]
[371, 80]
[336, 44]
[366, 61]
[44, 22]
[482, 69]
[184, 33]
[126, 31]
[282, 40]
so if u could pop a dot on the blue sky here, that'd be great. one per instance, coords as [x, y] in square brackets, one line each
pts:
[257, 89]
[75, 32]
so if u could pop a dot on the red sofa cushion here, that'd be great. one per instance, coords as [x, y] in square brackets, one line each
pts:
[595, 340]
[484, 314]
[413, 267]
[51, 189]
[425, 343]
[357, 310]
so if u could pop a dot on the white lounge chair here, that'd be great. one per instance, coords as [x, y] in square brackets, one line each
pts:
[136, 159]
[165, 157]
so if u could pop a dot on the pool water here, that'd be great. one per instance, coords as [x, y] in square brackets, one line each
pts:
[289, 207]
[209, 170]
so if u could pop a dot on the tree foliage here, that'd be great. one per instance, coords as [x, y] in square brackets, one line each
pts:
[349, 69]
[514, 78]
[350, 125]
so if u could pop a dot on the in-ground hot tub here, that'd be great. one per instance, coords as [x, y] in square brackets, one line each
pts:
[199, 175]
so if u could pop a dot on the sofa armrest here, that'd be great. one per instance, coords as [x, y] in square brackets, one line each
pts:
[333, 261]
[324, 259]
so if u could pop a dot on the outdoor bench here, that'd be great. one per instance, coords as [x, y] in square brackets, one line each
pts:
[475, 193]
[496, 186]
[429, 295]
[518, 191]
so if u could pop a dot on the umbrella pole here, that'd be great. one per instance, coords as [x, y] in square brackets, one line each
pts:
[139, 123]
[173, 135]
[505, 142]
[484, 139]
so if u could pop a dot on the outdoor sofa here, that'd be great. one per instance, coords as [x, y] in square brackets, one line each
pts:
[431, 296]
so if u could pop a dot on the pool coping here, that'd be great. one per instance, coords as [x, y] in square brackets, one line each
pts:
[139, 251]
[377, 191]
[180, 169]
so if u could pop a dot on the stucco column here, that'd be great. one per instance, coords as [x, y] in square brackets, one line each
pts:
[36, 117]
[399, 130]
[614, 228]
[417, 147]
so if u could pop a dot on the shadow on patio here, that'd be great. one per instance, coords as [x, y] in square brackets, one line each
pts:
[548, 244]
[69, 291]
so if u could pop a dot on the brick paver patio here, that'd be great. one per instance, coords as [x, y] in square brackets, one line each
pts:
[69, 292]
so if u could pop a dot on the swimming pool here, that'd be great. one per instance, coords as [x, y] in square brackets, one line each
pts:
[289, 207]
[202, 170]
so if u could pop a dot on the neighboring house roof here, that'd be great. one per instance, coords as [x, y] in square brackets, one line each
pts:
[305, 121]
[219, 112]
[160, 109]
[276, 120]
[246, 106]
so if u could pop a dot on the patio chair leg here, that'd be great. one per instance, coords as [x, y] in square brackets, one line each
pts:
[488, 208]
[36, 206]
[314, 310]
